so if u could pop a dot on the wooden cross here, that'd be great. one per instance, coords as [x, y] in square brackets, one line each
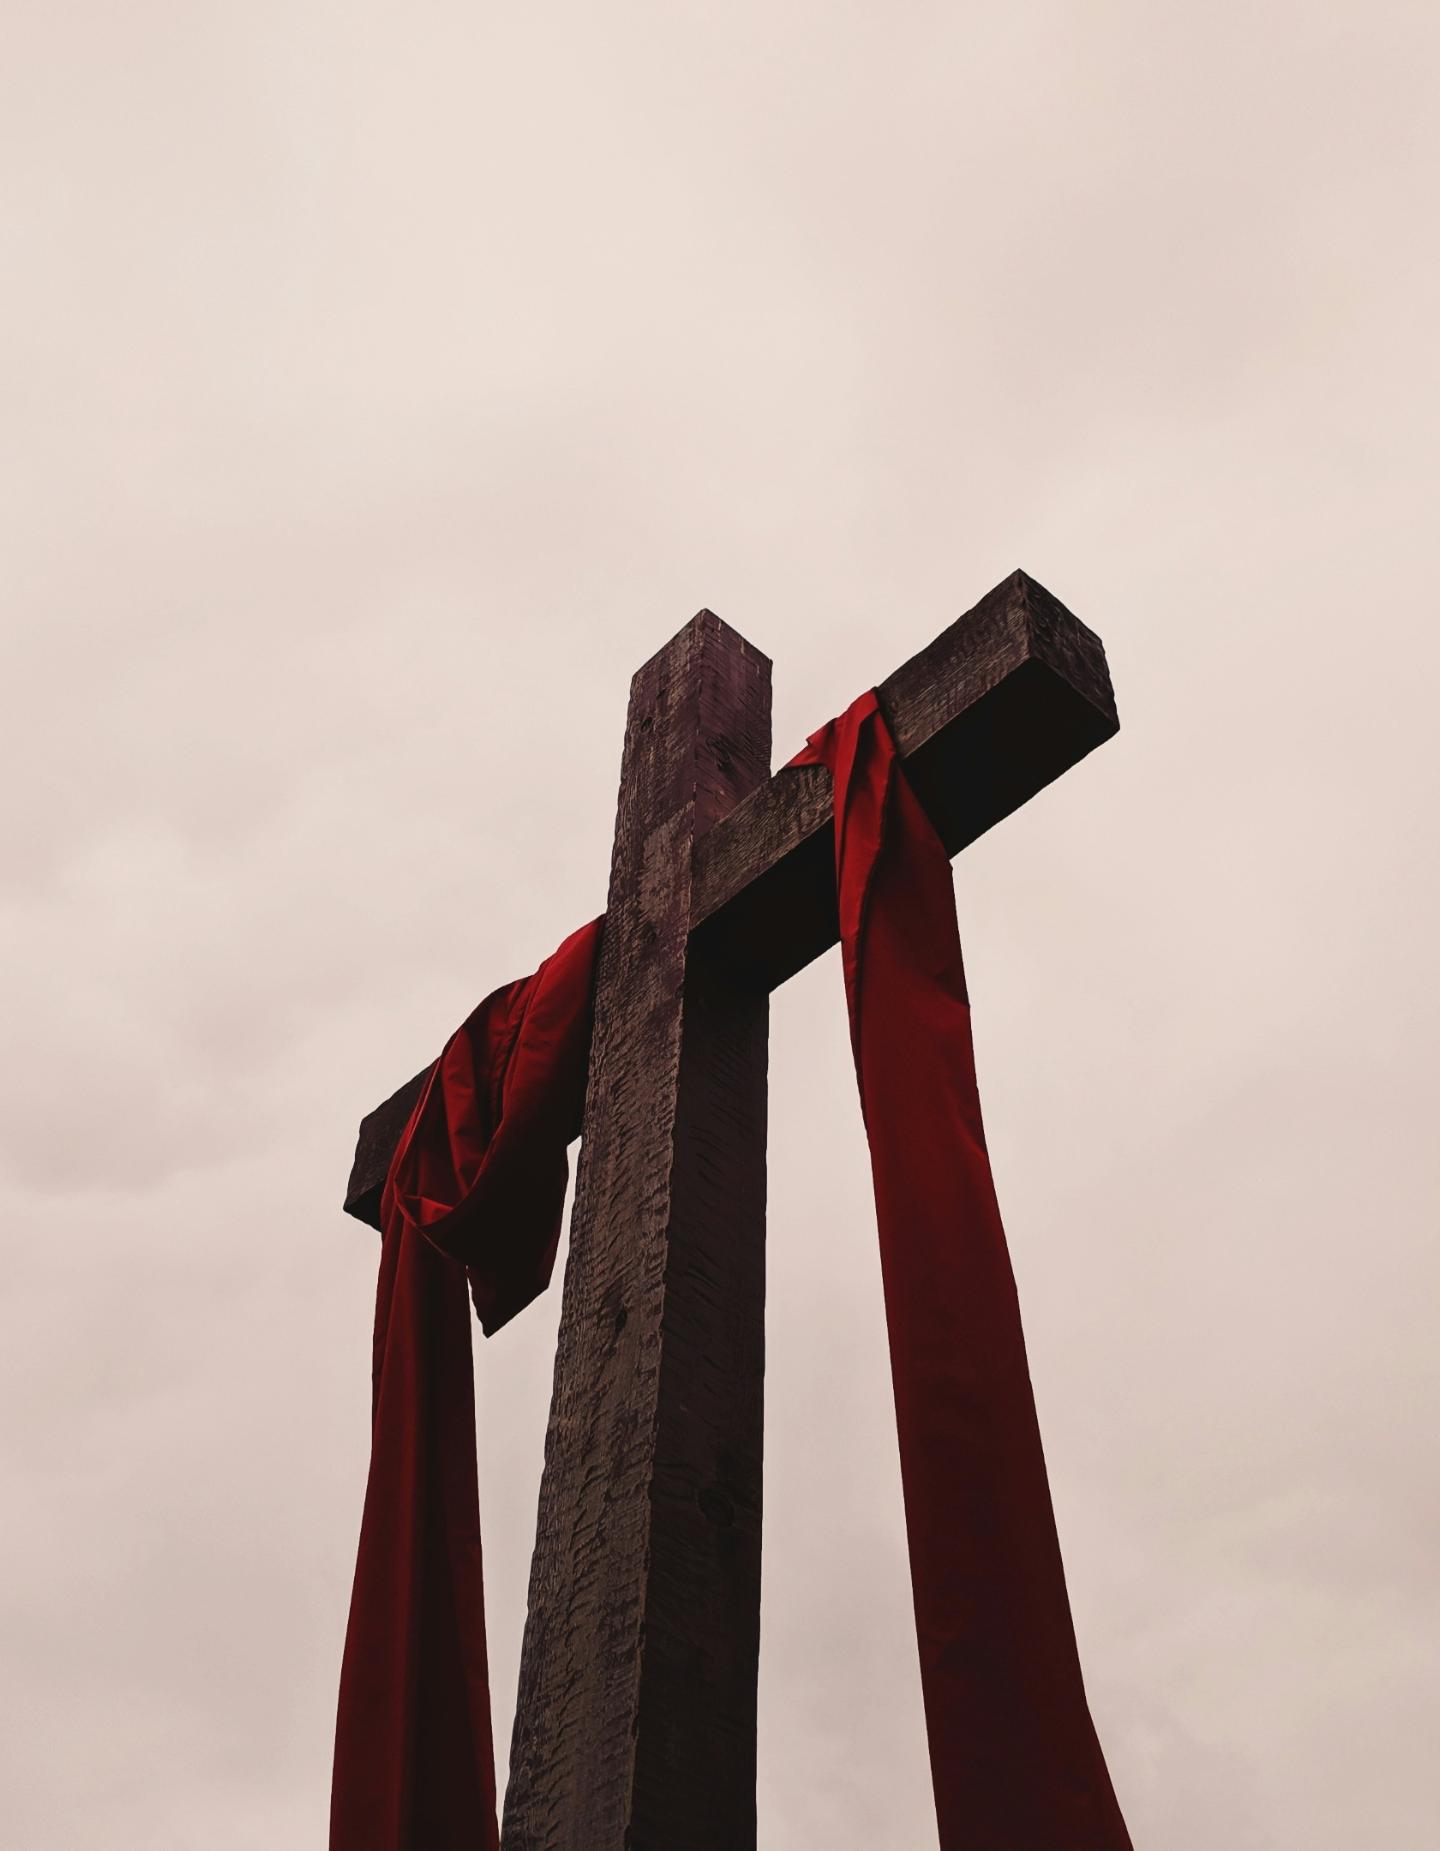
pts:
[635, 1722]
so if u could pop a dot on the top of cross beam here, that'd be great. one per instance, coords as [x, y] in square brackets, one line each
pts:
[1002, 702]
[1007, 698]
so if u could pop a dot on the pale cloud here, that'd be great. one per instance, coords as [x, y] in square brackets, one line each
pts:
[380, 388]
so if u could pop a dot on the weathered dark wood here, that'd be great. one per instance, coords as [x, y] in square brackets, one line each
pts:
[1009, 696]
[635, 1723]
[379, 1134]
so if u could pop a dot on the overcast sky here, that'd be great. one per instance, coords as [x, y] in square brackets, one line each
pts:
[381, 385]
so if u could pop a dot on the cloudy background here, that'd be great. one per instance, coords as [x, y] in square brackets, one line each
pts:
[381, 385]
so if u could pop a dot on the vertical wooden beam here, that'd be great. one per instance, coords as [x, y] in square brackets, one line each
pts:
[635, 1722]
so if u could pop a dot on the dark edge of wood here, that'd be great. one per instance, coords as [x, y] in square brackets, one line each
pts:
[379, 1134]
[1007, 698]
[635, 1716]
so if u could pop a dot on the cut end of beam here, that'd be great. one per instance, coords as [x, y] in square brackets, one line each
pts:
[704, 621]
[1011, 695]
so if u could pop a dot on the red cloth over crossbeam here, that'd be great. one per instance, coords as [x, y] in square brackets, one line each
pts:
[477, 1184]
[1014, 1758]
[476, 1187]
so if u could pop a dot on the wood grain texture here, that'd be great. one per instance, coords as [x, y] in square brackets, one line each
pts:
[1009, 696]
[380, 1132]
[1001, 703]
[635, 1723]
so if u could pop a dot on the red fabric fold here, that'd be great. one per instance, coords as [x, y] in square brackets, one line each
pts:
[477, 1187]
[1015, 1762]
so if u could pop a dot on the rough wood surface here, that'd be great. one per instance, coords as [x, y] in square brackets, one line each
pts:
[635, 1723]
[1009, 696]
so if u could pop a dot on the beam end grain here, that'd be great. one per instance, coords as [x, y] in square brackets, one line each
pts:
[379, 1134]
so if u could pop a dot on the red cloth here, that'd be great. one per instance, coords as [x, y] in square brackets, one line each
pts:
[1014, 1758]
[477, 1186]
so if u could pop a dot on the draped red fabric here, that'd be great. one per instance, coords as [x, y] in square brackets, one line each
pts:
[1014, 1758]
[477, 1188]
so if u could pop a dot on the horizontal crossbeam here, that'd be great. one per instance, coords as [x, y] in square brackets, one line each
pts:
[1007, 698]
